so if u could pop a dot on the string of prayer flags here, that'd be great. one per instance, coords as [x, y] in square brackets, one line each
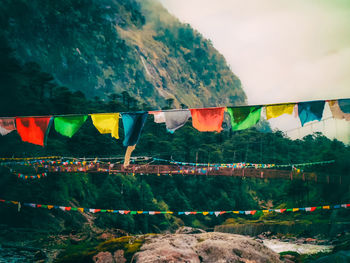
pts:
[33, 129]
[107, 123]
[187, 213]
[69, 125]
[244, 117]
[133, 124]
[275, 111]
[337, 112]
[176, 119]
[208, 120]
[7, 125]
[310, 111]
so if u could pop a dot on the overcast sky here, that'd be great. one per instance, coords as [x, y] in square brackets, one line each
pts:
[282, 50]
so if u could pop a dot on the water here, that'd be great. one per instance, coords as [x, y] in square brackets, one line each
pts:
[280, 246]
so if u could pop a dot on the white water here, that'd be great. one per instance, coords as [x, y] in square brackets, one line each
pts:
[280, 246]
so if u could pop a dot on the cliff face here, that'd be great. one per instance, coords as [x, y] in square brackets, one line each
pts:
[107, 47]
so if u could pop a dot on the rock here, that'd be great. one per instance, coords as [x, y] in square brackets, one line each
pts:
[105, 236]
[288, 256]
[189, 230]
[310, 240]
[103, 257]
[204, 247]
[119, 256]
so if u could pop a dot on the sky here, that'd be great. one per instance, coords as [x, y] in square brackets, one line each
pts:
[282, 51]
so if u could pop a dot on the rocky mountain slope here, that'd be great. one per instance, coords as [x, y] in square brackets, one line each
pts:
[109, 47]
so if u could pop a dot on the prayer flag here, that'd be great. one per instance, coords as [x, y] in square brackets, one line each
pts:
[133, 123]
[310, 111]
[176, 119]
[107, 123]
[33, 129]
[7, 125]
[159, 116]
[344, 105]
[337, 112]
[275, 111]
[208, 120]
[244, 117]
[69, 125]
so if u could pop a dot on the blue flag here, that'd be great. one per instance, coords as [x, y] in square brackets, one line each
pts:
[310, 111]
[133, 123]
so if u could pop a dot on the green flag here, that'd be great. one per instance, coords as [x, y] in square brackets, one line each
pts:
[244, 117]
[69, 125]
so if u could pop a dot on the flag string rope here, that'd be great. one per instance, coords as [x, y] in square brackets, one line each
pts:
[174, 110]
[138, 212]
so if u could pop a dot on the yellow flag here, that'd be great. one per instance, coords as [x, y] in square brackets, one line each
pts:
[295, 209]
[107, 123]
[275, 111]
[205, 213]
[326, 207]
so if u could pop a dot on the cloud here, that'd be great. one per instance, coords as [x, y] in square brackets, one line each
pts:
[281, 50]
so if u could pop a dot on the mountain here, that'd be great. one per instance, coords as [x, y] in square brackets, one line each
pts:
[105, 48]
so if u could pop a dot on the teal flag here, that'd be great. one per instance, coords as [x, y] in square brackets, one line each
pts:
[69, 125]
[244, 117]
[133, 123]
[310, 111]
[344, 105]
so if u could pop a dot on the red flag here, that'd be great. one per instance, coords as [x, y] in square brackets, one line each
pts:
[313, 208]
[208, 119]
[68, 208]
[33, 129]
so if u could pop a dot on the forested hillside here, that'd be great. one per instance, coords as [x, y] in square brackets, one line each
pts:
[105, 48]
[35, 92]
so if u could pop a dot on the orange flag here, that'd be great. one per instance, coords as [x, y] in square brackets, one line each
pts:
[208, 120]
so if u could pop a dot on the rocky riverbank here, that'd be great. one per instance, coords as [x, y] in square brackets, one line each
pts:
[186, 245]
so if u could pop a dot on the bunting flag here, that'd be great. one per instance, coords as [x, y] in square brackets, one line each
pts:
[107, 123]
[208, 120]
[275, 111]
[7, 125]
[133, 123]
[244, 117]
[337, 112]
[176, 119]
[187, 213]
[159, 116]
[69, 125]
[244, 164]
[33, 129]
[310, 111]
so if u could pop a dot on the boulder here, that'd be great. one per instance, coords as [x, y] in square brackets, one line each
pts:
[189, 230]
[103, 257]
[204, 247]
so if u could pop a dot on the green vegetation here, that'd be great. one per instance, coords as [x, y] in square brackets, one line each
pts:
[103, 48]
[84, 252]
[30, 91]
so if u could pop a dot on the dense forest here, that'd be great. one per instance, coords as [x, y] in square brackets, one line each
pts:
[107, 47]
[30, 91]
